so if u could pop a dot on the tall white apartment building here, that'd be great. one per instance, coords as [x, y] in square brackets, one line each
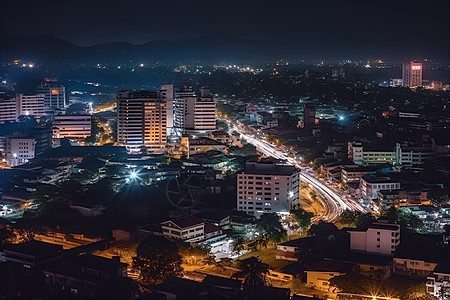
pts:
[19, 150]
[193, 112]
[30, 105]
[54, 95]
[141, 120]
[167, 94]
[379, 238]
[438, 283]
[72, 126]
[267, 188]
[8, 110]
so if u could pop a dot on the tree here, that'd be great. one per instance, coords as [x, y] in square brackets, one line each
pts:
[302, 217]
[157, 259]
[6, 233]
[224, 263]
[270, 225]
[254, 273]
[238, 245]
[209, 260]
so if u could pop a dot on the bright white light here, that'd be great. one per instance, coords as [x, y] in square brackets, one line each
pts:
[14, 155]
[30, 65]
[291, 194]
[133, 175]
[90, 103]
[341, 118]
[141, 65]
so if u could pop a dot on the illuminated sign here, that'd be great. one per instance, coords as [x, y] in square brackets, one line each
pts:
[55, 92]
[416, 67]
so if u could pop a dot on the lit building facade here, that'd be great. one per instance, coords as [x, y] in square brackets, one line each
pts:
[8, 110]
[195, 113]
[54, 95]
[19, 150]
[267, 188]
[412, 74]
[371, 185]
[72, 126]
[30, 105]
[141, 120]
[379, 238]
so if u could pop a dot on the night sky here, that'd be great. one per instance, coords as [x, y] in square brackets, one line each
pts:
[323, 23]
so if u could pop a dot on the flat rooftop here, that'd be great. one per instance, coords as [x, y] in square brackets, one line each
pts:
[269, 169]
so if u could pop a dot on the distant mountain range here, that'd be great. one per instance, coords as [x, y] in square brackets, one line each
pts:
[50, 49]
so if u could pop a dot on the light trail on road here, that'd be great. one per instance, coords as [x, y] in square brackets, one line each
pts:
[334, 203]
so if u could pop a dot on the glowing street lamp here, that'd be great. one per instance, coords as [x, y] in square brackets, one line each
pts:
[133, 175]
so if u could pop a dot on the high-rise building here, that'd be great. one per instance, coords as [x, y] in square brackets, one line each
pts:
[267, 188]
[309, 115]
[412, 74]
[30, 105]
[8, 109]
[72, 126]
[166, 91]
[193, 112]
[142, 120]
[54, 95]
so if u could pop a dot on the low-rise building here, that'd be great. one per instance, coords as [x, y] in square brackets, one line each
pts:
[184, 228]
[438, 284]
[19, 150]
[72, 126]
[371, 185]
[319, 274]
[364, 154]
[413, 267]
[32, 254]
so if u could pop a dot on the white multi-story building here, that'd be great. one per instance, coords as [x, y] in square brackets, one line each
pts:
[438, 284]
[412, 74]
[380, 238]
[19, 150]
[54, 95]
[371, 154]
[184, 228]
[167, 94]
[267, 188]
[8, 110]
[371, 185]
[195, 113]
[141, 120]
[30, 105]
[72, 126]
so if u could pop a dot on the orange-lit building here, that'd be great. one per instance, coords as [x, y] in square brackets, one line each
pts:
[412, 74]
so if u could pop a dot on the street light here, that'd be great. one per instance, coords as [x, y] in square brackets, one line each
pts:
[133, 175]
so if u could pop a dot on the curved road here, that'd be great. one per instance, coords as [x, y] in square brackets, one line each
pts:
[333, 202]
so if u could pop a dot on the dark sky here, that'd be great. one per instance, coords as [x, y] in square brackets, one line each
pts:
[424, 25]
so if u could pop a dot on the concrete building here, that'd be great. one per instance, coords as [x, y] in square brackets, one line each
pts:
[413, 267]
[412, 74]
[267, 188]
[8, 109]
[185, 228]
[142, 120]
[167, 94]
[319, 274]
[364, 154]
[309, 115]
[30, 105]
[54, 95]
[371, 185]
[438, 284]
[193, 112]
[19, 150]
[72, 126]
[379, 238]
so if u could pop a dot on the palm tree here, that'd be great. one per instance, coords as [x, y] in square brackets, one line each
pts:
[262, 241]
[224, 263]
[254, 272]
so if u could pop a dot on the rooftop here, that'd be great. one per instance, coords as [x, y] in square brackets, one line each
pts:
[186, 221]
[217, 281]
[258, 168]
[34, 248]
[330, 266]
